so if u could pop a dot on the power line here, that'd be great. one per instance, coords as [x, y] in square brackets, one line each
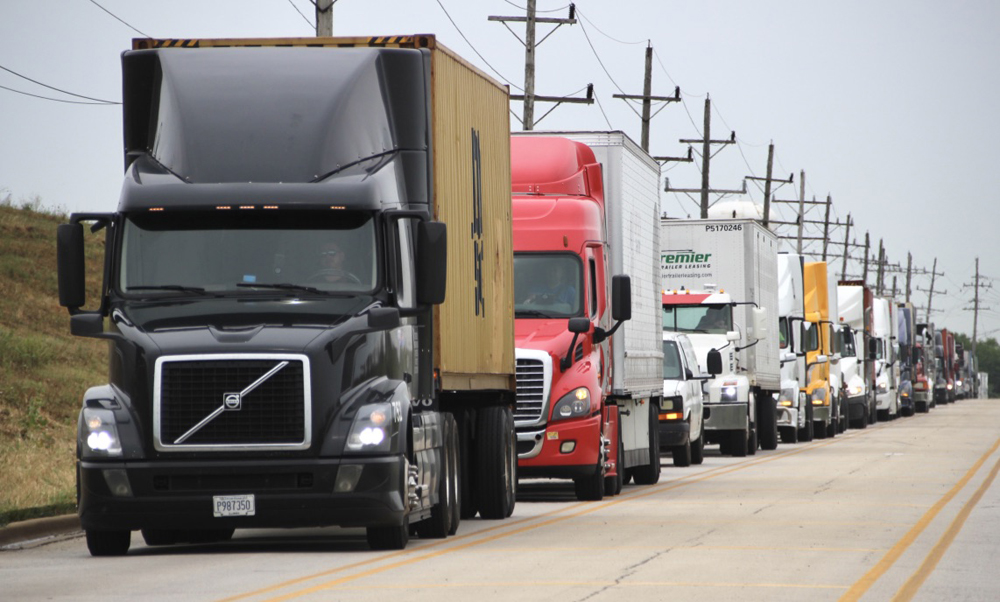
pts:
[606, 35]
[598, 57]
[72, 102]
[301, 13]
[34, 81]
[601, 107]
[553, 10]
[455, 25]
[119, 19]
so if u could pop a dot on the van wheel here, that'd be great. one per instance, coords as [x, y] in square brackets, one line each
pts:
[682, 455]
[698, 450]
[108, 543]
[752, 442]
[738, 441]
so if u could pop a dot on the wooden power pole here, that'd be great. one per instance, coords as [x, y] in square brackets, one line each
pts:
[529, 97]
[767, 183]
[324, 18]
[847, 238]
[647, 98]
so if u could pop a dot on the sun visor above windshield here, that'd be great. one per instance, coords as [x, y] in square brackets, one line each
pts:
[291, 115]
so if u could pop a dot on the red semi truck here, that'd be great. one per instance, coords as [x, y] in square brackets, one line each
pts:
[587, 318]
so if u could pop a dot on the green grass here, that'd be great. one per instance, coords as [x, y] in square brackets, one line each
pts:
[43, 369]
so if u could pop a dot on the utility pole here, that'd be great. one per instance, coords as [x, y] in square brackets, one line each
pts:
[802, 207]
[975, 305]
[864, 278]
[324, 18]
[529, 97]
[826, 226]
[930, 295]
[706, 157]
[909, 271]
[767, 184]
[894, 286]
[647, 98]
[881, 266]
[847, 237]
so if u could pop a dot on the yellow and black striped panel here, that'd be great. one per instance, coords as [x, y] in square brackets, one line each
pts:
[415, 41]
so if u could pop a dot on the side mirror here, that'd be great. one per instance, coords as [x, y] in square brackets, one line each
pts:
[432, 262]
[69, 256]
[714, 362]
[383, 318]
[621, 298]
[579, 325]
[759, 322]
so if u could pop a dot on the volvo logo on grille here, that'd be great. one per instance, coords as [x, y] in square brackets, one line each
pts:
[232, 401]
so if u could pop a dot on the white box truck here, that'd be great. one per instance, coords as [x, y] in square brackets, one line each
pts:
[794, 413]
[720, 281]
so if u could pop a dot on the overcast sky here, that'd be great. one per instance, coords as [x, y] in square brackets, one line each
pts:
[889, 106]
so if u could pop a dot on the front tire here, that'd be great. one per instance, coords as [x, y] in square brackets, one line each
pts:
[649, 474]
[767, 422]
[389, 538]
[613, 485]
[591, 487]
[439, 524]
[108, 543]
[698, 449]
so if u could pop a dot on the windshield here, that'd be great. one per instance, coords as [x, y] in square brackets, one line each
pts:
[712, 319]
[783, 338]
[547, 285]
[671, 361]
[879, 349]
[227, 251]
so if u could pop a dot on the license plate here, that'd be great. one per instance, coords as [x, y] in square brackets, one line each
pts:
[233, 505]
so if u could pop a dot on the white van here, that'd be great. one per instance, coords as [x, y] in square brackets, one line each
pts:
[681, 409]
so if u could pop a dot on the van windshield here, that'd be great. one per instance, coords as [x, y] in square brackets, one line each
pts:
[225, 251]
[711, 319]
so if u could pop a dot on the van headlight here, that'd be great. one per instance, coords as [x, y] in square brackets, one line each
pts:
[574, 404]
[374, 429]
[100, 433]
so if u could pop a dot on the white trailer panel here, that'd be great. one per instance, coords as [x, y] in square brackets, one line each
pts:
[740, 258]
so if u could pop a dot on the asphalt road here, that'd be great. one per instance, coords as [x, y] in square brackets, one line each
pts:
[902, 510]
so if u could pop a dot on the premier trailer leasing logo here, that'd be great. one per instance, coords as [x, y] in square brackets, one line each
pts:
[678, 259]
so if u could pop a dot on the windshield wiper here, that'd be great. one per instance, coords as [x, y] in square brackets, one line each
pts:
[168, 287]
[533, 312]
[288, 286]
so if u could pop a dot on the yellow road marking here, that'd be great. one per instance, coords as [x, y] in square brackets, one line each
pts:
[868, 579]
[606, 583]
[917, 579]
[589, 508]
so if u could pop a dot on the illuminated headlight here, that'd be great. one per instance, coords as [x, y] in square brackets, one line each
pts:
[574, 404]
[729, 393]
[818, 396]
[882, 388]
[949, 386]
[958, 383]
[904, 394]
[920, 386]
[856, 390]
[374, 428]
[100, 432]
[787, 398]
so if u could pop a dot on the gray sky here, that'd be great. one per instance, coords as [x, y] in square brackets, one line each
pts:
[888, 105]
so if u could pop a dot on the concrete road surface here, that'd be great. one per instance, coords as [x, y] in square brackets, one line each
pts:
[902, 510]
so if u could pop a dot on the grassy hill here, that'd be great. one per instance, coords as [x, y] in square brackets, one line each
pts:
[43, 370]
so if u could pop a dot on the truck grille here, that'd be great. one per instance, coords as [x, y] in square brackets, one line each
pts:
[273, 414]
[530, 391]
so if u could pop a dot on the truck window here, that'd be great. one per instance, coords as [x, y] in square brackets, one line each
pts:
[672, 366]
[547, 285]
[711, 319]
[783, 338]
[847, 343]
[810, 336]
[593, 288]
[219, 250]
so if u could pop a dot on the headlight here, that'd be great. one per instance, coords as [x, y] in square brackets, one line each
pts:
[100, 434]
[949, 386]
[728, 393]
[856, 390]
[374, 429]
[671, 403]
[574, 404]
[787, 397]
[958, 383]
[818, 396]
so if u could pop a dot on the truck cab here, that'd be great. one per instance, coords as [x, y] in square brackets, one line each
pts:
[817, 333]
[886, 366]
[589, 374]
[924, 372]
[794, 413]
[855, 308]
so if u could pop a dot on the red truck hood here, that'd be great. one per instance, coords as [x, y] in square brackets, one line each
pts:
[546, 335]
